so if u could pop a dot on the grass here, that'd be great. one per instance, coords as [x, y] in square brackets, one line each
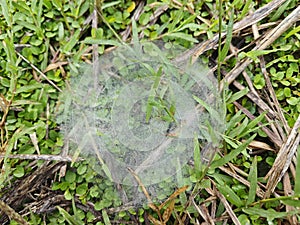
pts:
[254, 177]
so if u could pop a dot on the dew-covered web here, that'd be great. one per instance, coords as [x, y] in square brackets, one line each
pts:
[142, 110]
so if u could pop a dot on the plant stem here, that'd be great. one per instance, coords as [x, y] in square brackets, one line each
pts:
[219, 44]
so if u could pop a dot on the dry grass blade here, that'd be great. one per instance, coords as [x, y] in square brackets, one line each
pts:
[142, 186]
[258, 15]
[287, 192]
[155, 221]
[266, 41]
[171, 200]
[274, 137]
[53, 66]
[168, 212]
[203, 211]
[260, 145]
[280, 29]
[39, 71]
[276, 129]
[31, 185]
[283, 159]
[136, 15]
[12, 213]
[41, 157]
[273, 95]
[34, 141]
[247, 21]
[257, 100]
[172, 196]
[227, 207]
[259, 191]
[95, 50]
[5, 104]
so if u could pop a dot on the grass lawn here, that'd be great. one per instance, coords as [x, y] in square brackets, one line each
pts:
[240, 163]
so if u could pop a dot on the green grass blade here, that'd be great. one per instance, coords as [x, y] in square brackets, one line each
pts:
[92, 41]
[246, 9]
[105, 218]
[297, 179]
[230, 195]
[72, 42]
[135, 36]
[239, 129]
[151, 98]
[109, 4]
[270, 214]
[197, 156]
[188, 23]
[225, 49]
[252, 178]
[230, 141]
[252, 126]
[280, 11]
[258, 119]
[39, 18]
[227, 158]
[237, 95]
[11, 54]
[291, 202]
[5, 12]
[296, 30]
[29, 88]
[237, 118]
[214, 114]
[178, 15]
[183, 36]
[70, 219]
[219, 41]
[254, 54]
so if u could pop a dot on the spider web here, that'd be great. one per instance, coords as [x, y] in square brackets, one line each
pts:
[140, 110]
